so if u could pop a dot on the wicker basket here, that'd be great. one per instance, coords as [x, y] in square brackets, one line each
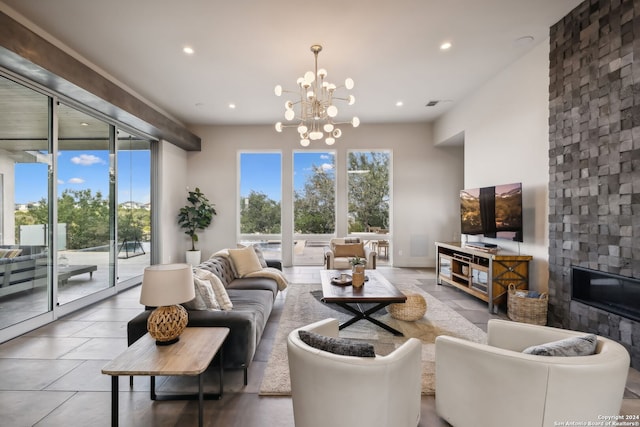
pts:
[525, 309]
[413, 309]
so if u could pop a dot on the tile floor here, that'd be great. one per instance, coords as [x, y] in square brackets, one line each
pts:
[51, 376]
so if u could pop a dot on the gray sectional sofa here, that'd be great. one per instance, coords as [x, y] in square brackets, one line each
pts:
[252, 300]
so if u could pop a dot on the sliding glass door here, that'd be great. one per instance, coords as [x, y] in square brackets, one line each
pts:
[134, 205]
[25, 164]
[75, 207]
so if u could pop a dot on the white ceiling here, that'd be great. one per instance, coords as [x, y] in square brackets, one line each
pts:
[243, 48]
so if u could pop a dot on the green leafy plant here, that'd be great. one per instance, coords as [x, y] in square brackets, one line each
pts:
[357, 261]
[197, 215]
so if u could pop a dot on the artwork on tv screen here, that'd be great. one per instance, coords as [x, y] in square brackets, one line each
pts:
[494, 212]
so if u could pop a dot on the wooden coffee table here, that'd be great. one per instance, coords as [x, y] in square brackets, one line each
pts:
[189, 356]
[376, 290]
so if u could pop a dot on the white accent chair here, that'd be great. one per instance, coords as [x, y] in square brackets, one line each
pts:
[338, 258]
[497, 385]
[346, 391]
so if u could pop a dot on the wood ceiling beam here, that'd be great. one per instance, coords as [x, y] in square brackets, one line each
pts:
[26, 53]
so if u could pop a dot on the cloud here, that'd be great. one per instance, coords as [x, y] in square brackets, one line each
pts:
[75, 181]
[60, 182]
[86, 160]
[326, 166]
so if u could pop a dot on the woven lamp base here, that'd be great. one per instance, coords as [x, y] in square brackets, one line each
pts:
[165, 324]
[410, 311]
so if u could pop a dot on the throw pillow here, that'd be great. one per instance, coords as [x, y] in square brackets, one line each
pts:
[245, 260]
[349, 250]
[340, 346]
[205, 297]
[263, 262]
[573, 346]
[218, 288]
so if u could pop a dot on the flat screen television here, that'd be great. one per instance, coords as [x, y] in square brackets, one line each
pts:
[494, 212]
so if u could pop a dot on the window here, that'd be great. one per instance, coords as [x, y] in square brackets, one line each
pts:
[314, 206]
[260, 202]
[368, 197]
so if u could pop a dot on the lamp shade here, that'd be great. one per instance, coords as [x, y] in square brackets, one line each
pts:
[167, 284]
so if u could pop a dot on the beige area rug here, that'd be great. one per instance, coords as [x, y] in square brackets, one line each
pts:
[302, 307]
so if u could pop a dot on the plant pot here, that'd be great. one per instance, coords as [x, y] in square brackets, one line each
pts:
[357, 276]
[193, 257]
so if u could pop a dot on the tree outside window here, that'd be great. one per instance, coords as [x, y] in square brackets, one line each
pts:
[368, 182]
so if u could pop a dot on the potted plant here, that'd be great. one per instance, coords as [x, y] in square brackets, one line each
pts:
[193, 217]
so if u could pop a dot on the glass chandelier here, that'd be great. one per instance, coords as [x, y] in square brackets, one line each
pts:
[316, 109]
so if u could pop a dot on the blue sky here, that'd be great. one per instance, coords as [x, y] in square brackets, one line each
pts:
[261, 172]
[80, 170]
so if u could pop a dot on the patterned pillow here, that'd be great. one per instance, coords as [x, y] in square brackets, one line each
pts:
[205, 297]
[263, 262]
[218, 288]
[340, 346]
[573, 346]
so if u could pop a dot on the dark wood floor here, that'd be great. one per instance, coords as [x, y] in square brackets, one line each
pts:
[51, 376]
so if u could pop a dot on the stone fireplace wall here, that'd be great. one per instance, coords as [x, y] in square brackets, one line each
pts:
[594, 159]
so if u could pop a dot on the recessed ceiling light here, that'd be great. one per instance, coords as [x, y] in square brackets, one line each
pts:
[232, 106]
[188, 50]
[445, 46]
[84, 124]
[523, 41]
[399, 104]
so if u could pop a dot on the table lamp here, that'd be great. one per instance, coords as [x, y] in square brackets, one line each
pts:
[165, 286]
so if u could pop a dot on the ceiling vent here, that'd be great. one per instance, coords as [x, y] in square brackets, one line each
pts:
[432, 103]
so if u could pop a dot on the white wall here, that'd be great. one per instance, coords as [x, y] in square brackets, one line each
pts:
[425, 183]
[506, 139]
[7, 170]
[173, 195]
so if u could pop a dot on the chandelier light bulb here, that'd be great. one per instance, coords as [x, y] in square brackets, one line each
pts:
[279, 127]
[289, 115]
[355, 122]
[351, 99]
[302, 129]
[310, 95]
[305, 142]
[332, 111]
[288, 105]
[278, 90]
[309, 77]
[300, 81]
[322, 73]
[328, 127]
[330, 141]
[337, 133]
[348, 83]
[331, 87]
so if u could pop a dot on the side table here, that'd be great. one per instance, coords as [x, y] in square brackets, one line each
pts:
[190, 356]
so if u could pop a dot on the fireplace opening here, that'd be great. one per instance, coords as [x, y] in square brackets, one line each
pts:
[609, 292]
